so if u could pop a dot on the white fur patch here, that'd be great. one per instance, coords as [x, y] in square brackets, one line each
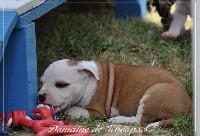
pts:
[141, 108]
[153, 125]
[89, 92]
[114, 112]
[123, 119]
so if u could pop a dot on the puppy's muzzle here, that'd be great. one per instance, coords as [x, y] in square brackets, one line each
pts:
[42, 98]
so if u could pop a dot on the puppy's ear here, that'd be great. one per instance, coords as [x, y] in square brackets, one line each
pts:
[89, 67]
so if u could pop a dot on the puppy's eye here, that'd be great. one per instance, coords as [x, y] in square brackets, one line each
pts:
[61, 84]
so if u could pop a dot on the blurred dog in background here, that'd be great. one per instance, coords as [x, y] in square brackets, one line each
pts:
[172, 24]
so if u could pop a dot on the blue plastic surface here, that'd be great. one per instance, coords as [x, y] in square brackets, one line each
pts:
[20, 71]
[8, 21]
[126, 9]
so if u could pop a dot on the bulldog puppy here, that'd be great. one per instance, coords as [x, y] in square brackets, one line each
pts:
[122, 93]
[183, 8]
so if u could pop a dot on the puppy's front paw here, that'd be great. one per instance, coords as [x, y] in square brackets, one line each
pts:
[77, 112]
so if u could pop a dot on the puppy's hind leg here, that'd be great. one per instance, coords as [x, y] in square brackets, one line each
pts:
[164, 102]
[133, 119]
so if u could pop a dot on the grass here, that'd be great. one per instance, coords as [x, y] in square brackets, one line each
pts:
[89, 36]
[183, 125]
[82, 36]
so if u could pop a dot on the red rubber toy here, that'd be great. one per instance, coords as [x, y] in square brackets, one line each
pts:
[45, 125]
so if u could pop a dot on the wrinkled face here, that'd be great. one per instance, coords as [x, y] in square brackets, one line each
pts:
[63, 84]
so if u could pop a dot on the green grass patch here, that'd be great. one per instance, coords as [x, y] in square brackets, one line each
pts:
[184, 125]
[89, 123]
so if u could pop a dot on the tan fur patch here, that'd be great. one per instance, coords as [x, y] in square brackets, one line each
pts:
[72, 63]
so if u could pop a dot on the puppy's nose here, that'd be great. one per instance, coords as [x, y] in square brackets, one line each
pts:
[42, 97]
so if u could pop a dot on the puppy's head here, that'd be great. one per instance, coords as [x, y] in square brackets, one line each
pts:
[64, 81]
